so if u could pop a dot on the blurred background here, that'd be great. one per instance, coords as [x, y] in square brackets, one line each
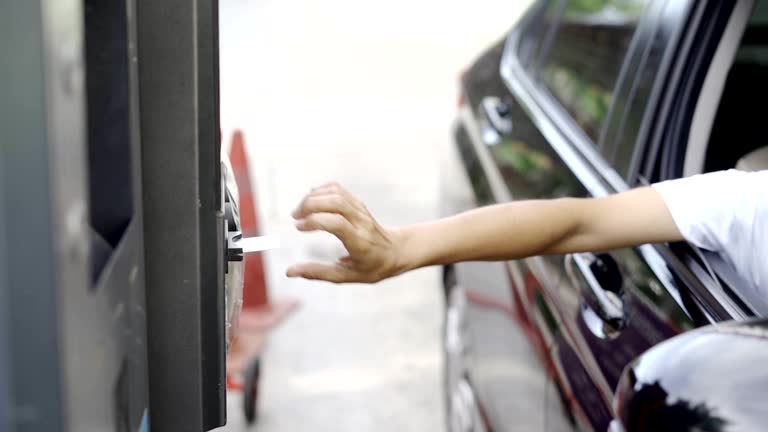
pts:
[363, 93]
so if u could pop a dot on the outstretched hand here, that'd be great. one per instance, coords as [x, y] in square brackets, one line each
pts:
[373, 251]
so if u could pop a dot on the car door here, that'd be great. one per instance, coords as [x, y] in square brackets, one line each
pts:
[579, 127]
[503, 316]
[524, 154]
[613, 306]
[587, 96]
[581, 85]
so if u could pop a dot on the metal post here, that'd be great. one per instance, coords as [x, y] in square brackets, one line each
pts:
[184, 230]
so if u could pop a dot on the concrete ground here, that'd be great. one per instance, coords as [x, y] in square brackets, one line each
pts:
[363, 93]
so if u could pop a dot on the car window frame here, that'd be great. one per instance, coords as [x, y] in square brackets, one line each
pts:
[714, 283]
[615, 130]
[532, 17]
[657, 129]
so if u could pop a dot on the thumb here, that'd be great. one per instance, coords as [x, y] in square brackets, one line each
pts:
[325, 272]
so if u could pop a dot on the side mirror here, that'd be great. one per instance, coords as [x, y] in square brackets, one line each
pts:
[708, 380]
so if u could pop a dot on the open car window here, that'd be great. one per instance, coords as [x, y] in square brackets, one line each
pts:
[736, 131]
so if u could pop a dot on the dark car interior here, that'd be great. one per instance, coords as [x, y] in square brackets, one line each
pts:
[739, 124]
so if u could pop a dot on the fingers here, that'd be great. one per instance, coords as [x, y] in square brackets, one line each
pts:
[329, 204]
[330, 191]
[330, 222]
[324, 272]
[326, 188]
[333, 223]
[331, 187]
[333, 209]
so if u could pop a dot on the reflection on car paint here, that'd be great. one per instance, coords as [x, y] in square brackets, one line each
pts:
[584, 396]
[656, 394]
[580, 68]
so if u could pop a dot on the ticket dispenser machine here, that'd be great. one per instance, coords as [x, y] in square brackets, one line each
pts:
[184, 226]
[112, 233]
[73, 340]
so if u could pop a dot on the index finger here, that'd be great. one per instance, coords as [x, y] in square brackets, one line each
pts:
[337, 204]
[335, 188]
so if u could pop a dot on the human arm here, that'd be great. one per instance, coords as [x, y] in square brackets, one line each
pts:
[500, 232]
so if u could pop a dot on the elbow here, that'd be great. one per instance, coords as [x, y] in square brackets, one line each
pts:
[574, 231]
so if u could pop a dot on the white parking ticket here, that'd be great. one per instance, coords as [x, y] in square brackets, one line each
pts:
[259, 243]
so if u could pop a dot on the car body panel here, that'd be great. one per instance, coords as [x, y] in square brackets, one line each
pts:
[515, 142]
[680, 384]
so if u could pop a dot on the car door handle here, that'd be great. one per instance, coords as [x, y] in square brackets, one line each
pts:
[497, 118]
[600, 283]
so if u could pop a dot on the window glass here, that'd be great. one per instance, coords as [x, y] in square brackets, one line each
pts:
[583, 64]
[530, 166]
[536, 27]
[625, 143]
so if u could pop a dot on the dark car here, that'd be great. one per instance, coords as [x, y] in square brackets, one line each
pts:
[589, 98]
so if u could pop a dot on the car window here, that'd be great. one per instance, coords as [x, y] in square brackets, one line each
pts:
[622, 148]
[624, 138]
[736, 131]
[582, 66]
[534, 30]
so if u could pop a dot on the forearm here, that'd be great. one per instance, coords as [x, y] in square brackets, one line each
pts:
[499, 232]
[527, 228]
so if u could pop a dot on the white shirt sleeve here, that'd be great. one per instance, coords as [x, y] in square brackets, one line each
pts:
[710, 210]
[723, 212]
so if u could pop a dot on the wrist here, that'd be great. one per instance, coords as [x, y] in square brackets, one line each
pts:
[404, 251]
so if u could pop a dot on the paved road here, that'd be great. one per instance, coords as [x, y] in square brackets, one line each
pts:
[363, 93]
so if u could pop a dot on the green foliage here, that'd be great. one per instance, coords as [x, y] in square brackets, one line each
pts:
[582, 7]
